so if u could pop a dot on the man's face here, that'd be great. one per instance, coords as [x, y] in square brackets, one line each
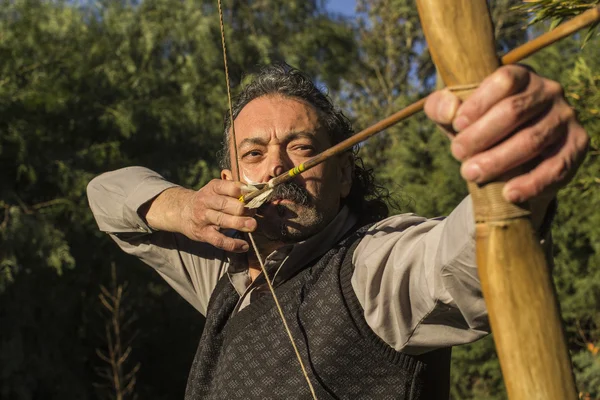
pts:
[273, 135]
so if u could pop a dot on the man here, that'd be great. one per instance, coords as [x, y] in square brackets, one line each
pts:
[373, 304]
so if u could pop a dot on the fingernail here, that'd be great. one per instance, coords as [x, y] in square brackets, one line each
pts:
[460, 123]
[249, 224]
[245, 247]
[458, 150]
[514, 196]
[447, 107]
[472, 172]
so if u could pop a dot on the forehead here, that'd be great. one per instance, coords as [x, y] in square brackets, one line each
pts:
[276, 116]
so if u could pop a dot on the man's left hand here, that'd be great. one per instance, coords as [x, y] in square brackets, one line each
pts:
[514, 118]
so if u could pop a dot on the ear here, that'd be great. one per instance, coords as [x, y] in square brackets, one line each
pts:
[346, 172]
[227, 175]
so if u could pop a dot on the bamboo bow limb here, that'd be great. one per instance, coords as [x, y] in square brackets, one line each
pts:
[573, 25]
[516, 282]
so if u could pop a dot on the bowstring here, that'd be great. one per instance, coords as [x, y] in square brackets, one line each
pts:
[254, 246]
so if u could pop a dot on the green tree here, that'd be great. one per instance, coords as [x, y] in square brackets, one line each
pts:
[577, 228]
[86, 88]
[413, 160]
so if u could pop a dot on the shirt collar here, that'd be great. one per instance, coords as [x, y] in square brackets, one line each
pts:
[288, 259]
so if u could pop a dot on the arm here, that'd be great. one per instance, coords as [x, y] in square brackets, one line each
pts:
[167, 227]
[417, 280]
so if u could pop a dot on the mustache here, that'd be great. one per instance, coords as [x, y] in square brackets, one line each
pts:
[291, 191]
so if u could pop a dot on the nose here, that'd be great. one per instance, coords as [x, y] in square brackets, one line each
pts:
[278, 162]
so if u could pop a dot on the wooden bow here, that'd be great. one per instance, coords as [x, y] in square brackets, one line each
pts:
[516, 282]
[515, 279]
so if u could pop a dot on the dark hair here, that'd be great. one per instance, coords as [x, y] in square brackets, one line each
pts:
[366, 198]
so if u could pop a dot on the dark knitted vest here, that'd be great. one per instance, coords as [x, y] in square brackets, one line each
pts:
[249, 356]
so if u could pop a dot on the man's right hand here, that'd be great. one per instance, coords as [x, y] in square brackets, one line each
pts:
[202, 215]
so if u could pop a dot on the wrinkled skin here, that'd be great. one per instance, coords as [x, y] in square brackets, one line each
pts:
[274, 134]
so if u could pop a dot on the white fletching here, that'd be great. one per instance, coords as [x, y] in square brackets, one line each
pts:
[259, 200]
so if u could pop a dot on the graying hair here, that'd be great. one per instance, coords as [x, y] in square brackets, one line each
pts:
[366, 197]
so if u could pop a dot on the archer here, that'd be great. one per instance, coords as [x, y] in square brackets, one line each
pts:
[374, 303]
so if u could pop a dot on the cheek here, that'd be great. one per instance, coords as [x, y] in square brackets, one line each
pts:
[253, 173]
[322, 181]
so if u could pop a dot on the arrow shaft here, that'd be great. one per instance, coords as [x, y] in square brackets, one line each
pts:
[573, 25]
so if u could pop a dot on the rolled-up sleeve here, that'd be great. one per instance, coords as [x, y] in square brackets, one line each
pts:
[417, 281]
[191, 268]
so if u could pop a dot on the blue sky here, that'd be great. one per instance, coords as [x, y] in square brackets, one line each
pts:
[345, 7]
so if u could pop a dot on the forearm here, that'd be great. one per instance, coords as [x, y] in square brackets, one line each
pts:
[417, 279]
[116, 197]
[130, 204]
[164, 212]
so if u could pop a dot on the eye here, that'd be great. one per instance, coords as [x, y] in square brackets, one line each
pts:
[304, 149]
[252, 155]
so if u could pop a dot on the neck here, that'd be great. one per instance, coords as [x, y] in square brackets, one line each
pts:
[265, 247]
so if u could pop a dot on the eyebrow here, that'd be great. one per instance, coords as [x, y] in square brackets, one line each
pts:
[286, 139]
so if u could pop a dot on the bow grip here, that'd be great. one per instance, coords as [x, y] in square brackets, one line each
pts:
[516, 282]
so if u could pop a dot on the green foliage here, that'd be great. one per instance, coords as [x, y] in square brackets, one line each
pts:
[556, 11]
[577, 233]
[94, 86]
[413, 160]
[576, 236]
[86, 88]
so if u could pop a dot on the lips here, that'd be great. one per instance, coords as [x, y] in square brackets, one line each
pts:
[281, 201]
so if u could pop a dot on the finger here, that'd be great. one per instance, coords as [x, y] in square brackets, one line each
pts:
[441, 107]
[227, 188]
[556, 169]
[226, 221]
[517, 150]
[228, 205]
[217, 239]
[504, 82]
[500, 121]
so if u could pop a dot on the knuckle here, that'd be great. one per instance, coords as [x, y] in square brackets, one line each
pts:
[504, 79]
[201, 215]
[525, 67]
[241, 223]
[238, 208]
[536, 183]
[222, 203]
[198, 215]
[537, 140]
[489, 167]
[198, 197]
[567, 114]
[214, 184]
[537, 188]
[227, 244]
[220, 219]
[200, 202]
[517, 107]
[582, 142]
[218, 241]
[561, 169]
[554, 88]
[196, 232]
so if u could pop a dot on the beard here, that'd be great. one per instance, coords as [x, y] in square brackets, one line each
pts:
[291, 215]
